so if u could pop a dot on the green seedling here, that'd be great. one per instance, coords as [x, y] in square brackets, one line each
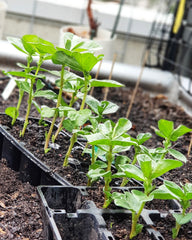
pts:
[169, 134]
[146, 172]
[109, 138]
[170, 190]
[100, 109]
[21, 45]
[73, 46]
[32, 46]
[75, 119]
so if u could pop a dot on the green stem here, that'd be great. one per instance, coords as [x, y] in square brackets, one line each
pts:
[135, 218]
[60, 127]
[85, 91]
[177, 228]
[30, 98]
[125, 179]
[109, 158]
[92, 162]
[21, 93]
[56, 113]
[72, 142]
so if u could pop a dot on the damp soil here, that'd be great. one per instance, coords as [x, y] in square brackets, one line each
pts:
[20, 215]
[145, 113]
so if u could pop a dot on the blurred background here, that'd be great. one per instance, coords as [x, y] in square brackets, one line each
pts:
[132, 23]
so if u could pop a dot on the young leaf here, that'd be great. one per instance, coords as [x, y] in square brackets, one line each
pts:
[17, 43]
[180, 219]
[143, 137]
[49, 94]
[47, 112]
[105, 83]
[166, 127]
[164, 166]
[174, 189]
[145, 163]
[177, 155]
[39, 85]
[132, 171]
[122, 126]
[163, 193]
[180, 131]
[12, 112]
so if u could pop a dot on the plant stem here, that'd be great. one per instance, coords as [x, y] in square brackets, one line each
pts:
[56, 113]
[86, 76]
[21, 93]
[30, 98]
[135, 218]
[74, 136]
[109, 158]
[125, 180]
[92, 162]
[72, 142]
[60, 127]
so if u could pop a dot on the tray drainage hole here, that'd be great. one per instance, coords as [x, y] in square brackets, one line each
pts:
[110, 238]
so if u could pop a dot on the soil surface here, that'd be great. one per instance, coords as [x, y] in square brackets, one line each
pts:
[20, 215]
[145, 113]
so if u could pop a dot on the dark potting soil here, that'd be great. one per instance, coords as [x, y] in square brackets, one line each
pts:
[20, 216]
[120, 226]
[169, 222]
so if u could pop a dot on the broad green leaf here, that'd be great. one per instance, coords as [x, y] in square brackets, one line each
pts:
[132, 171]
[188, 191]
[79, 117]
[163, 193]
[118, 149]
[106, 128]
[12, 112]
[180, 131]
[180, 219]
[92, 102]
[143, 137]
[97, 173]
[47, 112]
[166, 127]
[145, 163]
[63, 110]
[126, 200]
[40, 45]
[49, 94]
[177, 155]
[69, 125]
[28, 47]
[98, 164]
[86, 60]
[97, 139]
[141, 196]
[17, 43]
[122, 126]
[74, 43]
[25, 86]
[105, 83]
[25, 75]
[39, 84]
[164, 166]
[121, 141]
[121, 159]
[107, 107]
[174, 188]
